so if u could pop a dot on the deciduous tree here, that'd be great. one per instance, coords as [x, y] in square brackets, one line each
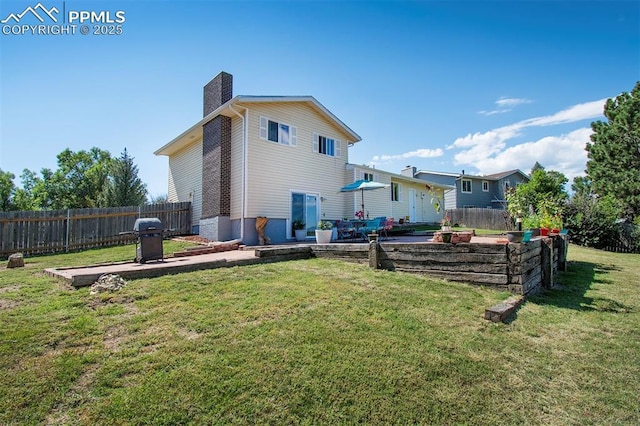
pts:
[7, 189]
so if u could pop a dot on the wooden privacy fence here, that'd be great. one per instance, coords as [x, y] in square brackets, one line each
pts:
[481, 218]
[34, 232]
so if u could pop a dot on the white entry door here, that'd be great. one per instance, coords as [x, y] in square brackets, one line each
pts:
[412, 205]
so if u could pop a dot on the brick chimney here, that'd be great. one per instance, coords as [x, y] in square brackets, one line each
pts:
[408, 171]
[216, 161]
[216, 92]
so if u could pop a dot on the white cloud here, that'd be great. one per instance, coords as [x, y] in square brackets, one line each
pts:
[587, 110]
[564, 153]
[488, 151]
[505, 102]
[378, 160]
[494, 112]
[418, 153]
[492, 141]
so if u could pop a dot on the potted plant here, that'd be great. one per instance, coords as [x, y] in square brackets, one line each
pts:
[446, 224]
[532, 223]
[324, 232]
[545, 225]
[300, 230]
[556, 224]
[515, 236]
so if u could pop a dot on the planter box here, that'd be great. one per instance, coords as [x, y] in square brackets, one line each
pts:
[323, 236]
[515, 236]
[301, 234]
[462, 237]
[535, 232]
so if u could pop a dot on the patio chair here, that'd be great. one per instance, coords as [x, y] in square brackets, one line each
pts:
[345, 230]
[386, 227]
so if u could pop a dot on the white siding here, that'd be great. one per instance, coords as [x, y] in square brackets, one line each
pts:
[450, 201]
[378, 202]
[185, 178]
[236, 167]
[275, 170]
[424, 210]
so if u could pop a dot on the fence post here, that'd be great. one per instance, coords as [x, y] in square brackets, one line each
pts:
[66, 238]
[374, 260]
[547, 262]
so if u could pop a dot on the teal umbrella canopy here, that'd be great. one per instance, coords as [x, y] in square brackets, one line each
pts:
[363, 185]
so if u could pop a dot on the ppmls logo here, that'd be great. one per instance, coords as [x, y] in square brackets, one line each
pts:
[52, 22]
[34, 11]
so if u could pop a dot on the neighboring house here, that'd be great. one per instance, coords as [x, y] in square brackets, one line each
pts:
[487, 191]
[280, 157]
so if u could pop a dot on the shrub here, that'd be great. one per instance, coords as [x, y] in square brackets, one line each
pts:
[324, 225]
[593, 221]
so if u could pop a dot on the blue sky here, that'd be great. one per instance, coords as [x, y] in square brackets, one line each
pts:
[446, 86]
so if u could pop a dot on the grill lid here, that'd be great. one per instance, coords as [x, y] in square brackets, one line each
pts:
[147, 224]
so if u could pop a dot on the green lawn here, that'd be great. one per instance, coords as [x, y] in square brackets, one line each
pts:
[426, 227]
[318, 342]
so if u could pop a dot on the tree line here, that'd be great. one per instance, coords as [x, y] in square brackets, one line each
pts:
[604, 207]
[83, 179]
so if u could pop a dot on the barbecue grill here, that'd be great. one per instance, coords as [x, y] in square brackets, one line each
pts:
[149, 239]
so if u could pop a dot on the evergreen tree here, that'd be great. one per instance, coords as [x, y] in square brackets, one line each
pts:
[614, 152]
[124, 187]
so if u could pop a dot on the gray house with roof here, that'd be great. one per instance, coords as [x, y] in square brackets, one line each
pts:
[488, 191]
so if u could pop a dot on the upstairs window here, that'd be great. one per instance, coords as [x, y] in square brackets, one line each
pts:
[370, 177]
[327, 146]
[466, 186]
[281, 133]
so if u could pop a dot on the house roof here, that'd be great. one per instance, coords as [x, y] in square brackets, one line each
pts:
[399, 177]
[194, 132]
[495, 176]
[429, 172]
[498, 176]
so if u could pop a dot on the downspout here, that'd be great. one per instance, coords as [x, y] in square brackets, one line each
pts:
[244, 167]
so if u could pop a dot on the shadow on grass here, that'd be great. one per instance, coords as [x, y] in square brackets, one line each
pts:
[573, 286]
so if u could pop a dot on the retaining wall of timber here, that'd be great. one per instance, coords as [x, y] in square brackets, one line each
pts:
[521, 268]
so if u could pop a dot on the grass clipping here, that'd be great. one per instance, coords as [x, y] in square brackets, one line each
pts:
[108, 283]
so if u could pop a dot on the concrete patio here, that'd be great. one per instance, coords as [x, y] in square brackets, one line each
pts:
[82, 276]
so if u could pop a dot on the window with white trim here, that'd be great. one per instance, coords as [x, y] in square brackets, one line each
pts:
[327, 146]
[396, 191]
[466, 186]
[485, 186]
[281, 133]
[370, 177]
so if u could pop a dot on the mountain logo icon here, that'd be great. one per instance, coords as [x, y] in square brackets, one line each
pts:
[34, 11]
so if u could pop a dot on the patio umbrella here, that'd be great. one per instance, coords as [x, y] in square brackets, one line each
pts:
[363, 185]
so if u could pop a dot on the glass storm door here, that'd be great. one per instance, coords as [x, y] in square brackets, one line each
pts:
[304, 207]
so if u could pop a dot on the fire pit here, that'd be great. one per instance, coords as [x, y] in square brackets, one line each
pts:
[149, 242]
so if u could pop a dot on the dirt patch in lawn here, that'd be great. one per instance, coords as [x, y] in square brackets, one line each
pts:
[10, 288]
[197, 239]
[8, 304]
